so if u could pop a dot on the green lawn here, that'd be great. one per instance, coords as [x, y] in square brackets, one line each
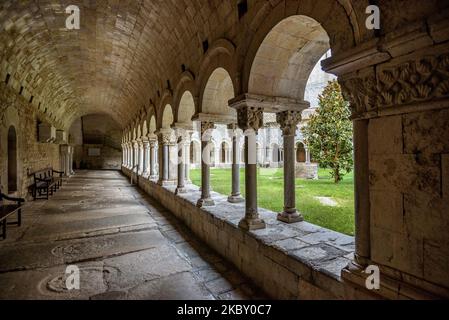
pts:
[270, 191]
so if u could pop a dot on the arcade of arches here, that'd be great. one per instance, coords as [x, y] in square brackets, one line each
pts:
[129, 89]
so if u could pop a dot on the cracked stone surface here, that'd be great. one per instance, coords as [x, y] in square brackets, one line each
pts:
[124, 243]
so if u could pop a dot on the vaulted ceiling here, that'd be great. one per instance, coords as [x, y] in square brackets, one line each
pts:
[122, 54]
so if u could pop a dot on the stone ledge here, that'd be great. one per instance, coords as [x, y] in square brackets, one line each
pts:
[296, 261]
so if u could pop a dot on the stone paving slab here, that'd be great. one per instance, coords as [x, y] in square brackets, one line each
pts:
[126, 245]
[51, 253]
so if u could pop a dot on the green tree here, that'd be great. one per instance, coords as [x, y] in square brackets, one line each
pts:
[329, 132]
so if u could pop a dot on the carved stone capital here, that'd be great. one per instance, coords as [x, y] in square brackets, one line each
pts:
[166, 138]
[289, 121]
[206, 130]
[250, 118]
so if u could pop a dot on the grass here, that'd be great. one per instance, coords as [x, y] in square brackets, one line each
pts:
[271, 194]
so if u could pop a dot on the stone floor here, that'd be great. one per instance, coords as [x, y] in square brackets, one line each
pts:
[124, 243]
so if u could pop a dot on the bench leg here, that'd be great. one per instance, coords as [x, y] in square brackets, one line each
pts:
[48, 194]
[19, 217]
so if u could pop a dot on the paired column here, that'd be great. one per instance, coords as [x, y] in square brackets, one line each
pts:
[153, 172]
[188, 141]
[235, 196]
[289, 121]
[165, 139]
[206, 136]
[136, 155]
[146, 150]
[181, 161]
[250, 120]
[140, 157]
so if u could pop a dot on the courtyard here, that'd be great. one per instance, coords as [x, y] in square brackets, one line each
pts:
[322, 202]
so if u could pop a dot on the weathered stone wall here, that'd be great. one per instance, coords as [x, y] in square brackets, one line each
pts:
[96, 131]
[409, 192]
[32, 155]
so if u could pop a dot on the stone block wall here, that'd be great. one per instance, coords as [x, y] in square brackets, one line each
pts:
[408, 156]
[32, 155]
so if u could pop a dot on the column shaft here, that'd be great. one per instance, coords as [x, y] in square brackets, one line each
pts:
[206, 131]
[235, 196]
[362, 194]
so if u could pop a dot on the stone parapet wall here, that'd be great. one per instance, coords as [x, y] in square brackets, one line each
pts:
[297, 261]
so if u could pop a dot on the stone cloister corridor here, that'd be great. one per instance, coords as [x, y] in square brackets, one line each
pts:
[104, 105]
[126, 246]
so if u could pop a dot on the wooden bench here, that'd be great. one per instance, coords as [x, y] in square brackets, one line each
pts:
[7, 210]
[46, 182]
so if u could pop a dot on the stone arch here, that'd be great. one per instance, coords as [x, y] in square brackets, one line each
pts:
[300, 152]
[220, 55]
[166, 100]
[12, 160]
[185, 86]
[152, 125]
[225, 151]
[186, 109]
[332, 17]
[217, 92]
[167, 117]
[286, 57]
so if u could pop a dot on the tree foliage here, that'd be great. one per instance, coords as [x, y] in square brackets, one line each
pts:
[329, 132]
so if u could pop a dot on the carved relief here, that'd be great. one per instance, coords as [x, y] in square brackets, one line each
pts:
[289, 121]
[250, 118]
[420, 80]
[414, 81]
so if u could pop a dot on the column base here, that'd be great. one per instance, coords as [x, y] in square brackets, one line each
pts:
[188, 181]
[205, 203]
[290, 217]
[153, 178]
[252, 224]
[164, 183]
[236, 199]
[180, 190]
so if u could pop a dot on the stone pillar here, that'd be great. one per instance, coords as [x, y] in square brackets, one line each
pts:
[188, 141]
[72, 151]
[165, 139]
[173, 161]
[235, 196]
[141, 157]
[362, 193]
[308, 157]
[135, 156]
[146, 145]
[206, 145]
[181, 161]
[153, 173]
[289, 121]
[250, 120]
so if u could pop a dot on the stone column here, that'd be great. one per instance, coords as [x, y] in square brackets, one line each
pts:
[188, 141]
[250, 120]
[206, 144]
[289, 121]
[308, 158]
[362, 192]
[141, 157]
[165, 139]
[153, 173]
[235, 196]
[135, 156]
[72, 151]
[146, 145]
[181, 161]
[173, 161]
